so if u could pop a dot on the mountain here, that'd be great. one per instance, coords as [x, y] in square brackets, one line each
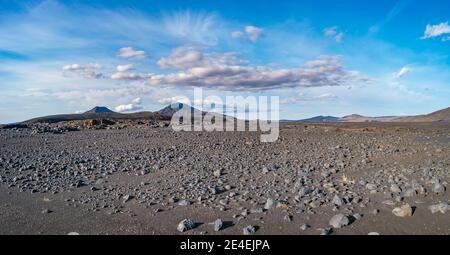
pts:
[100, 112]
[437, 116]
[99, 109]
[170, 110]
[196, 115]
[361, 118]
[315, 119]
[95, 113]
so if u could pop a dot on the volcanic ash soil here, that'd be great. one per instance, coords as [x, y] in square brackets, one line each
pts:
[316, 179]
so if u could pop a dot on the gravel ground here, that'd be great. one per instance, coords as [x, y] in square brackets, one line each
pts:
[316, 179]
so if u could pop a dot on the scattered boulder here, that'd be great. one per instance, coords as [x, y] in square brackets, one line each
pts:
[184, 202]
[410, 193]
[218, 225]
[395, 188]
[217, 173]
[339, 221]
[337, 201]
[217, 190]
[127, 198]
[288, 217]
[438, 188]
[185, 225]
[371, 186]
[249, 230]
[404, 211]
[79, 184]
[92, 123]
[305, 227]
[441, 207]
[325, 231]
[270, 203]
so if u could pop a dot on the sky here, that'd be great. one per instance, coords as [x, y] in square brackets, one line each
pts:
[320, 57]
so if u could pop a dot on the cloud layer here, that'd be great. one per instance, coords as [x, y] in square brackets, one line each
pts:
[324, 71]
[226, 72]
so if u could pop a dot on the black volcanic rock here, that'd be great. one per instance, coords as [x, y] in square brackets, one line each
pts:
[100, 109]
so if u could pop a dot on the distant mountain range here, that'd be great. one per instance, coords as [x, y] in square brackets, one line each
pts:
[438, 116]
[167, 112]
[97, 112]
[316, 119]
[101, 112]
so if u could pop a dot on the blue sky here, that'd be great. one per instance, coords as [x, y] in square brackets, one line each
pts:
[320, 57]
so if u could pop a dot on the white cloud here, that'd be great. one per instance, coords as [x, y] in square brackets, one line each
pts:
[193, 27]
[237, 34]
[91, 71]
[182, 57]
[339, 37]
[334, 33]
[136, 101]
[77, 67]
[34, 92]
[185, 57]
[124, 68]
[436, 30]
[73, 67]
[129, 76]
[134, 105]
[300, 97]
[251, 33]
[127, 108]
[330, 31]
[403, 71]
[129, 52]
[174, 99]
[326, 96]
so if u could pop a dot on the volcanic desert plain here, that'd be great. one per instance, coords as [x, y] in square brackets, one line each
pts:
[96, 174]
